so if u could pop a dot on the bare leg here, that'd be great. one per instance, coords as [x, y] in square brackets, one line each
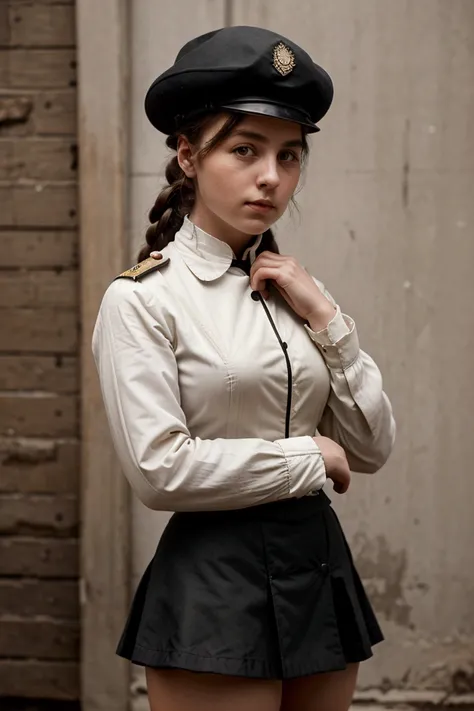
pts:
[332, 691]
[179, 690]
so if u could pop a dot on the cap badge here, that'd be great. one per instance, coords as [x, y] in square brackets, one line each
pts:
[283, 59]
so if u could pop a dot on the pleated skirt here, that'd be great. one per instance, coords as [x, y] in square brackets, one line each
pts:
[266, 592]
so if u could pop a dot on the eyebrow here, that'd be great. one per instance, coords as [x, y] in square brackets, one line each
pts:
[253, 135]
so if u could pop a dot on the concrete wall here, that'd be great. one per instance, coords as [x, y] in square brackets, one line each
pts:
[386, 221]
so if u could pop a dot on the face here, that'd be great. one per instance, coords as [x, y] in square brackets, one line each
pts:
[245, 183]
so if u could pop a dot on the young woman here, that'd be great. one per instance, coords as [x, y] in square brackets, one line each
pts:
[235, 388]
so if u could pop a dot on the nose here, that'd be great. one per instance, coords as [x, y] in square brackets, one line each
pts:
[269, 176]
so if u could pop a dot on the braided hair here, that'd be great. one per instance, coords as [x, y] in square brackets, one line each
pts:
[176, 199]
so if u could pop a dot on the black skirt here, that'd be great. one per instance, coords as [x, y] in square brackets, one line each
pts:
[267, 592]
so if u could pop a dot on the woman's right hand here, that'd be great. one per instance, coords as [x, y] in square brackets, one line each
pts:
[335, 460]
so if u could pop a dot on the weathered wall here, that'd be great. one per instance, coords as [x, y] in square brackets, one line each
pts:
[39, 433]
[386, 221]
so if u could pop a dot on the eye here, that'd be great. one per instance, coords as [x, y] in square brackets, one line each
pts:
[243, 151]
[288, 156]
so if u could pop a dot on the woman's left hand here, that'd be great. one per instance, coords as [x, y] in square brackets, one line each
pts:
[297, 287]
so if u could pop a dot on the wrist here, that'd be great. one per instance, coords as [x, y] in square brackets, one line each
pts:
[320, 319]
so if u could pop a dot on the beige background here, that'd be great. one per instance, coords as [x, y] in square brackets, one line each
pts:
[386, 222]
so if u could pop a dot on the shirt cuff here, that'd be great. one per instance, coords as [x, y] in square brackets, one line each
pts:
[338, 342]
[305, 465]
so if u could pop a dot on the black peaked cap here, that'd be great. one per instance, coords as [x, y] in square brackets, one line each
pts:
[244, 69]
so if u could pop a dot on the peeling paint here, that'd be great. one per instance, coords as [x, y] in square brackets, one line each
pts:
[463, 679]
[454, 674]
[383, 571]
[21, 451]
[15, 109]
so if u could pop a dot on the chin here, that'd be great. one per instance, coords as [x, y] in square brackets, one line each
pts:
[256, 225]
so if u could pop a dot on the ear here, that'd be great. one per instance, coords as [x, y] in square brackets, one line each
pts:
[185, 157]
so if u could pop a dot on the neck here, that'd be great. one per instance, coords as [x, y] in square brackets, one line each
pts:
[213, 225]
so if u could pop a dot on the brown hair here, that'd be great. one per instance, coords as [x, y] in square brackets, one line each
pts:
[176, 199]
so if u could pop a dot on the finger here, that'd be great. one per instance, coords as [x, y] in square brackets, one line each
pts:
[155, 254]
[273, 256]
[260, 276]
[271, 260]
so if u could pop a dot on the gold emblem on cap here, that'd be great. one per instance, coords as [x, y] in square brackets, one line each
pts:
[283, 59]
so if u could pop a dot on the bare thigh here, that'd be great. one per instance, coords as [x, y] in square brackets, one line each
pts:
[322, 692]
[179, 690]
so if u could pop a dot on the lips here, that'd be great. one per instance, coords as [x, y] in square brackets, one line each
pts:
[262, 203]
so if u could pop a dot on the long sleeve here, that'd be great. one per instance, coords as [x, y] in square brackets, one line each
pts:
[133, 345]
[358, 415]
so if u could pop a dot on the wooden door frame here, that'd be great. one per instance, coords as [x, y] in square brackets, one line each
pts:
[103, 88]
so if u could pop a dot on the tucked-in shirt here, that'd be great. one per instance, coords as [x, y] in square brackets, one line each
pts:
[195, 385]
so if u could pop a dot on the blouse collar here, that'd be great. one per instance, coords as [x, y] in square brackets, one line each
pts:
[206, 256]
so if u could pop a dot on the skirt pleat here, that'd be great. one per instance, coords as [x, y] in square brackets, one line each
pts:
[267, 592]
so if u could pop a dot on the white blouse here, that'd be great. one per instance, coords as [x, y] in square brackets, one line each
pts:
[212, 401]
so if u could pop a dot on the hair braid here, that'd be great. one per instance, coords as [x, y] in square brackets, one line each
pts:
[172, 204]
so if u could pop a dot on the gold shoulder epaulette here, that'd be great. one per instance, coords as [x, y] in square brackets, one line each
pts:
[142, 268]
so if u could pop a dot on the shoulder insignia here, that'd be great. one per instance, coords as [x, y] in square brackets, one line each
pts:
[142, 268]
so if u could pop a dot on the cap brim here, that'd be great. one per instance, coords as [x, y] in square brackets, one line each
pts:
[274, 110]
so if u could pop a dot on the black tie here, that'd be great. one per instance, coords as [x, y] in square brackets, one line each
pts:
[243, 264]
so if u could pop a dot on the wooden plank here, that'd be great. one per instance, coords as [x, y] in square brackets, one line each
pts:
[35, 466]
[55, 112]
[58, 599]
[34, 679]
[40, 639]
[39, 330]
[39, 25]
[14, 110]
[39, 289]
[38, 249]
[38, 113]
[39, 373]
[39, 68]
[39, 515]
[37, 557]
[43, 2]
[40, 205]
[4, 24]
[38, 415]
[105, 533]
[38, 159]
